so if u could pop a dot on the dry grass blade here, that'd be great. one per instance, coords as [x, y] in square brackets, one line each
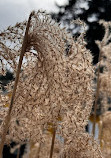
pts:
[7, 120]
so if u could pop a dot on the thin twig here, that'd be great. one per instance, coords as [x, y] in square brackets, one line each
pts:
[8, 117]
[97, 93]
[52, 144]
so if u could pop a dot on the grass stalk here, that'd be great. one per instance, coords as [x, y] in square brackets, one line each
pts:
[8, 117]
[52, 144]
[101, 132]
[97, 94]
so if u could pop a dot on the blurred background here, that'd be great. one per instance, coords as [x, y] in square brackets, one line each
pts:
[12, 11]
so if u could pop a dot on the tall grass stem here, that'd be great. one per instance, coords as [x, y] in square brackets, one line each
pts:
[8, 117]
[97, 93]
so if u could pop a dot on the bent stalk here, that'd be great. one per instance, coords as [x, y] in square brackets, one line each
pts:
[8, 117]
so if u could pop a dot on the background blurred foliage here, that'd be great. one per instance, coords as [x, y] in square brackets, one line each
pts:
[90, 11]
